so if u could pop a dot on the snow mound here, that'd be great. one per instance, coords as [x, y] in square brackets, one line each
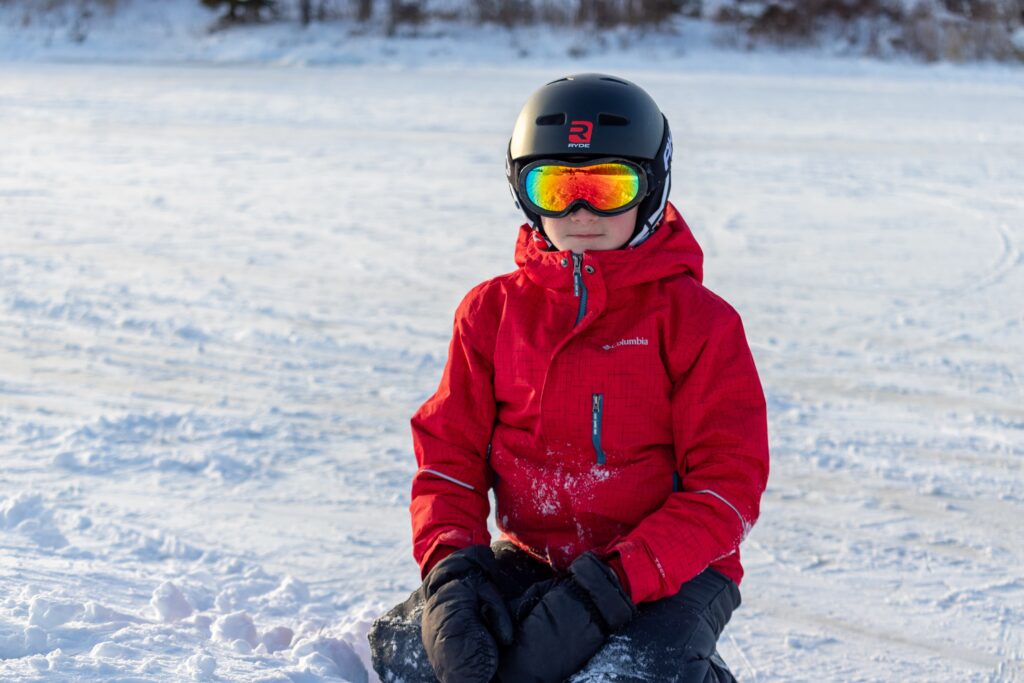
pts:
[200, 667]
[26, 514]
[235, 626]
[328, 657]
[170, 603]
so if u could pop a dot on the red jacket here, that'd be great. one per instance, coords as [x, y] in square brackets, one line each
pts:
[611, 402]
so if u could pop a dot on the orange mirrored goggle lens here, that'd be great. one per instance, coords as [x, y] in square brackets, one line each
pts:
[606, 187]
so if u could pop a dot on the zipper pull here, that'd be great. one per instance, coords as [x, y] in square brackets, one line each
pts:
[577, 276]
[595, 428]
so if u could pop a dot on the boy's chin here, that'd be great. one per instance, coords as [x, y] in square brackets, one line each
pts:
[578, 244]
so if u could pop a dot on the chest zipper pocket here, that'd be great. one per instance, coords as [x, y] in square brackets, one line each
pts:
[595, 426]
[579, 287]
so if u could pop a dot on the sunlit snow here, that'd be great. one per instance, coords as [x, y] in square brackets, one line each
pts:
[225, 289]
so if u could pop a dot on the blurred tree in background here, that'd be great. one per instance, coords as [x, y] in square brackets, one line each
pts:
[393, 13]
[243, 11]
[934, 29]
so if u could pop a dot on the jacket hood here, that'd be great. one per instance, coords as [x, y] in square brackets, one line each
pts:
[672, 249]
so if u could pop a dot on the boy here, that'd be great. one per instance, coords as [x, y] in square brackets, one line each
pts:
[611, 402]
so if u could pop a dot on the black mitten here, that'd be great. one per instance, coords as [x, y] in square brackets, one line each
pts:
[563, 623]
[464, 618]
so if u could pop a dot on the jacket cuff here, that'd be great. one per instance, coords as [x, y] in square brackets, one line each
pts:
[642, 571]
[440, 552]
[455, 538]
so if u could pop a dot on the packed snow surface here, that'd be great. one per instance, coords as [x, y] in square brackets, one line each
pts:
[225, 289]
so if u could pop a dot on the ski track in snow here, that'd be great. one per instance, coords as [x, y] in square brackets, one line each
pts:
[224, 290]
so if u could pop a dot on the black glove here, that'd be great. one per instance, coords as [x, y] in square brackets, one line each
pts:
[563, 622]
[464, 617]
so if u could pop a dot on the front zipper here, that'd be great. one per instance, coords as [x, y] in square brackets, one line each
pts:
[579, 289]
[595, 427]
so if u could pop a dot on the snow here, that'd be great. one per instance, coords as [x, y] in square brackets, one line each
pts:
[226, 287]
[235, 627]
[169, 603]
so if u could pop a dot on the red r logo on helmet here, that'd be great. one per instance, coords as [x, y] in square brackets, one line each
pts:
[580, 131]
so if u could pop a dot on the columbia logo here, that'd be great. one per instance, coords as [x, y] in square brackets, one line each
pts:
[635, 341]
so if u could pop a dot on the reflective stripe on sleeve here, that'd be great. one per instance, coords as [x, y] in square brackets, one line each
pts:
[747, 526]
[451, 479]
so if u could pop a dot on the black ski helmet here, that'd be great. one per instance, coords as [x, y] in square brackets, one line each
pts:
[593, 115]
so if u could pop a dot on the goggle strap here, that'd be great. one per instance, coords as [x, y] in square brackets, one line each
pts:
[651, 224]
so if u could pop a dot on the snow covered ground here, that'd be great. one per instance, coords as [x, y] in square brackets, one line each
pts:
[225, 289]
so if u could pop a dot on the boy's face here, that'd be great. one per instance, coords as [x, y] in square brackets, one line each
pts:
[582, 229]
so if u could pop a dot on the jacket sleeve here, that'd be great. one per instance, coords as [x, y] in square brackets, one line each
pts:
[720, 433]
[451, 433]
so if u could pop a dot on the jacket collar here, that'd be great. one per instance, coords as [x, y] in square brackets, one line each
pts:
[670, 250]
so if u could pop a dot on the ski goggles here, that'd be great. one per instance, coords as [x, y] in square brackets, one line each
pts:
[605, 186]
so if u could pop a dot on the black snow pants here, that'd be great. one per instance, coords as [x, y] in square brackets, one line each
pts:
[672, 640]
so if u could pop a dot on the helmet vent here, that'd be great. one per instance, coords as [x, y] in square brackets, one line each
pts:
[612, 120]
[613, 80]
[557, 80]
[551, 120]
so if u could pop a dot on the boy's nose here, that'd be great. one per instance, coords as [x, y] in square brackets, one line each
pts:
[581, 215]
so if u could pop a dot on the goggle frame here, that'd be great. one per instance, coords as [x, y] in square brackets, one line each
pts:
[525, 197]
